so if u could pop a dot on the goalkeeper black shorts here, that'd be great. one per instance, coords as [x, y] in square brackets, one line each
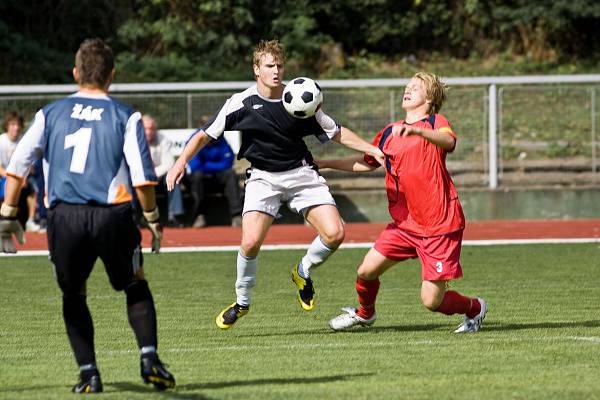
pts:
[80, 234]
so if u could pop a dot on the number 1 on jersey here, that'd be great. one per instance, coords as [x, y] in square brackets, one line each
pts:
[80, 141]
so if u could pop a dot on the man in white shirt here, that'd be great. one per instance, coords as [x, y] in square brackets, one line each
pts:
[13, 127]
[163, 161]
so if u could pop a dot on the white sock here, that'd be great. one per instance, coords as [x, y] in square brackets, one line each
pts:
[316, 254]
[246, 279]
[87, 367]
[147, 350]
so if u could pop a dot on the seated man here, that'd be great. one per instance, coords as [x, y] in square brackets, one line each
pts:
[215, 161]
[163, 160]
[13, 127]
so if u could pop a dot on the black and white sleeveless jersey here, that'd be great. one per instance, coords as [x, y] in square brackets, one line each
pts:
[272, 140]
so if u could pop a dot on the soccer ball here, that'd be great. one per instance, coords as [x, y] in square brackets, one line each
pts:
[302, 97]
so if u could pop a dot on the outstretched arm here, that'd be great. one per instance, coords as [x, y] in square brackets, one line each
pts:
[351, 140]
[198, 141]
[441, 139]
[353, 164]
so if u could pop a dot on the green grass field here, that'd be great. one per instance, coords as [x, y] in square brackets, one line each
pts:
[540, 340]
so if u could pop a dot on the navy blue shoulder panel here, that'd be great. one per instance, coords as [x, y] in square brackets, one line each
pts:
[386, 134]
[431, 120]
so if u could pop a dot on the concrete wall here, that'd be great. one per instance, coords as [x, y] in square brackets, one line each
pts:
[484, 204]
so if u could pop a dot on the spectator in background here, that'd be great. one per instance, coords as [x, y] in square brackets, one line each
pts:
[13, 127]
[214, 162]
[163, 161]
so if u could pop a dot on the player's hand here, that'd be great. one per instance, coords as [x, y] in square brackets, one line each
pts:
[376, 153]
[157, 234]
[320, 163]
[155, 228]
[174, 175]
[9, 226]
[404, 130]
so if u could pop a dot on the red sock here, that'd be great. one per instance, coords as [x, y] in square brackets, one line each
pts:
[455, 303]
[367, 294]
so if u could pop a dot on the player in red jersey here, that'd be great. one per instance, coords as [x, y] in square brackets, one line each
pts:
[428, 220]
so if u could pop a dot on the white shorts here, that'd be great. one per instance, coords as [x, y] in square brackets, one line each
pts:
[301, 188]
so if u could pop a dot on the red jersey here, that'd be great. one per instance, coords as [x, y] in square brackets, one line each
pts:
[421, 195]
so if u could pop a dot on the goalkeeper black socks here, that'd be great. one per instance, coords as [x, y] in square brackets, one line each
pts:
[80, 328]
[141, 313]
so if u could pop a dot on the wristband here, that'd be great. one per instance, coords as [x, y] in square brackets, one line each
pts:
[152, 215]
[8, 211]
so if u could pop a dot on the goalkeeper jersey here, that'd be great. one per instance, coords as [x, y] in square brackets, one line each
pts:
[93, 149]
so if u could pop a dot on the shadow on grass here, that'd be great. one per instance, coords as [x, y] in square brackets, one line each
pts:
[372, 329]
[272, 381]
[168, 394]
[499, 326]
[41, 388]
[123, 387]
[487, 326]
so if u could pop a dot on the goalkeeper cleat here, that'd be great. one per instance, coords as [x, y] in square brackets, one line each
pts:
[349, 319]
[471, 325]
[306, 290]
[230, 315]
[153, 371]
[89, 384]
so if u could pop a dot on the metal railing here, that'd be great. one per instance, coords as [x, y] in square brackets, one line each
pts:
[504, 123]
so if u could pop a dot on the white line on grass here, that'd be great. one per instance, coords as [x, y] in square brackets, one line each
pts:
[360, 245]
[302, 346]
[593, 339]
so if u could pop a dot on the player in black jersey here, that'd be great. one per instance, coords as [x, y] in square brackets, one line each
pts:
[282, 170]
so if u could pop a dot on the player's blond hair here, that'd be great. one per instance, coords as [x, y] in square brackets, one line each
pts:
[435, 90]
[272, 47]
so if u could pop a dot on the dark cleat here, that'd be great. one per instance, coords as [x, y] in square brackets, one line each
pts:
[154, 372]
[89, 384]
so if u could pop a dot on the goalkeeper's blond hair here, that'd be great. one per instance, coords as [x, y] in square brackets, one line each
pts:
[436, 91]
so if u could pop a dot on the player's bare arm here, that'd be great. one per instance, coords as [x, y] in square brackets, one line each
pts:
[351, 140]
[352, 164]
[13, 190]
[147, 199]
[197, 142]
[443, 140]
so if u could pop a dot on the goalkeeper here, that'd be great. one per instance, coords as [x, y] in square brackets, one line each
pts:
[92, 147]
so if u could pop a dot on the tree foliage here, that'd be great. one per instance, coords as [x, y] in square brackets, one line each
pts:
[183, 40]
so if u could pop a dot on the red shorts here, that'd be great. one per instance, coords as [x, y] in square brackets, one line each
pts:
[439, 255]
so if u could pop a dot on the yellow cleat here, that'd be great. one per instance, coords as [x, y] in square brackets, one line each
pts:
[230, 315]
[306, 291]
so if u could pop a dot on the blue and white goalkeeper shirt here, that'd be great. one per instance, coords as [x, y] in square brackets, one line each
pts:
[93, 147]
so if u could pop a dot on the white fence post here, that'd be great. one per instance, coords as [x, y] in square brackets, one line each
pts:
[392, 106]
[493, 135]
[190, 122]
[593, 132]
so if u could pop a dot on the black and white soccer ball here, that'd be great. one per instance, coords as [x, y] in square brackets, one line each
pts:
[302, 97]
